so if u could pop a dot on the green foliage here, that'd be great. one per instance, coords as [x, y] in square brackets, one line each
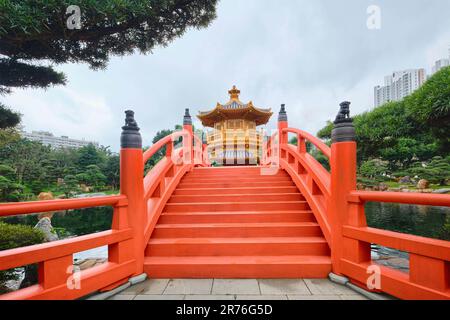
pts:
[88, 156]
[19, 74]
[28, 168]
[414, 130]
[9, 190]
[86, 221]
[162, 152]
[26, 157]
[92, 176]
[8, 118]
[37, 30]
[325, 132]
[317, 154]
[33, 31]
[112, 171]
[373, 168]
[435, 171]
[16, 236]
[69, 186]
[429, 106]
[8, 136]
[407, 150]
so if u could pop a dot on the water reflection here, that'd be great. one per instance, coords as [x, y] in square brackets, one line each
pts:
[425, 221]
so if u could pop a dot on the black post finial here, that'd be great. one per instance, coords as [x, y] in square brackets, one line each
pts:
[187, 121]
[344, 130]
[130, 138]
[282, 116]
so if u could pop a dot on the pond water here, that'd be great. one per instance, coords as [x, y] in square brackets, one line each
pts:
[426, 221]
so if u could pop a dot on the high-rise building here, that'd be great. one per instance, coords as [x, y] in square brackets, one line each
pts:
[47, 138]
[399, 85]
[441, 63]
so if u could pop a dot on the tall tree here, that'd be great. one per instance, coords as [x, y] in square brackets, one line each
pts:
[32, 32]
[90, 155]
[8, 118]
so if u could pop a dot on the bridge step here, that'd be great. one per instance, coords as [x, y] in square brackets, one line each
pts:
[246, 267]
[236, 206]
[237, 198]
[235, 184]
[241, 179]
[223, 191]
[236, 217]
[237, 246]
[235, 223]
[237, 230]
[229, 170]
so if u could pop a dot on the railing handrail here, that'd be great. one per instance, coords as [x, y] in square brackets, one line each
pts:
[162, 143]
[425, 246]
[326, 150]
[32, 207]
[56, 249]
[416, 198]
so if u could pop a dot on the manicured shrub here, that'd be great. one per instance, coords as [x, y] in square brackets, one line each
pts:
[16, 236]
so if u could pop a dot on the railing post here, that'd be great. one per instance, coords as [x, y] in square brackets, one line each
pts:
[282, 124]
[343, 179]
[132, 185]
[187, 125]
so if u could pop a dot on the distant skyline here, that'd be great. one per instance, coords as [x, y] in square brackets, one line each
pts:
[310, 55]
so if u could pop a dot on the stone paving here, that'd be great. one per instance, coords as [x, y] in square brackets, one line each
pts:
[248, 289]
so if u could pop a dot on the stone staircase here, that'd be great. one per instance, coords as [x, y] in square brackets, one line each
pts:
[236, 223]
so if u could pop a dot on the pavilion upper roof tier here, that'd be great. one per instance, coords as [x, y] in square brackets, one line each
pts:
[233, 110]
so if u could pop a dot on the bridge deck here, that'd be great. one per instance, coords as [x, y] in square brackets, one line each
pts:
[247, 289]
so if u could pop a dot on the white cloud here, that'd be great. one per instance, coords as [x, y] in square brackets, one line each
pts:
[64, 111]
[309, 54]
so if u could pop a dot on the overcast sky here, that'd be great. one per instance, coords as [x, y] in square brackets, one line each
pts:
[308, 54]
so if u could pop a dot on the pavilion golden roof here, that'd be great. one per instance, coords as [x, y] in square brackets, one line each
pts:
[235, 109]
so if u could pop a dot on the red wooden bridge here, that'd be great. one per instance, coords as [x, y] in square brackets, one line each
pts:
[288, 218]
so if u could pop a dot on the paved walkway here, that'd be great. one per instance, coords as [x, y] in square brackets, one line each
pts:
[209, 289]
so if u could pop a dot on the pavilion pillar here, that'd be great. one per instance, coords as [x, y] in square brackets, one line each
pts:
[132, 186]
[343, 180]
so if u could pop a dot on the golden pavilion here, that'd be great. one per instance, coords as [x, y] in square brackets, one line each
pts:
[235, 139]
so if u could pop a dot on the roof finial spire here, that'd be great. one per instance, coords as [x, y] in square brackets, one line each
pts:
[234, 93]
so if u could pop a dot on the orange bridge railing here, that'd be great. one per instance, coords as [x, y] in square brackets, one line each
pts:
[332, 196]
[136, 212]
[339, 209]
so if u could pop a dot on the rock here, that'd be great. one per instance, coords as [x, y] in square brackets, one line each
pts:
[383, 187]
[442, 191]
[360, 186]
[89, 263]
[85, 188]
[406, 179]
[45, 225]
[423, 184]
[368, 189]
